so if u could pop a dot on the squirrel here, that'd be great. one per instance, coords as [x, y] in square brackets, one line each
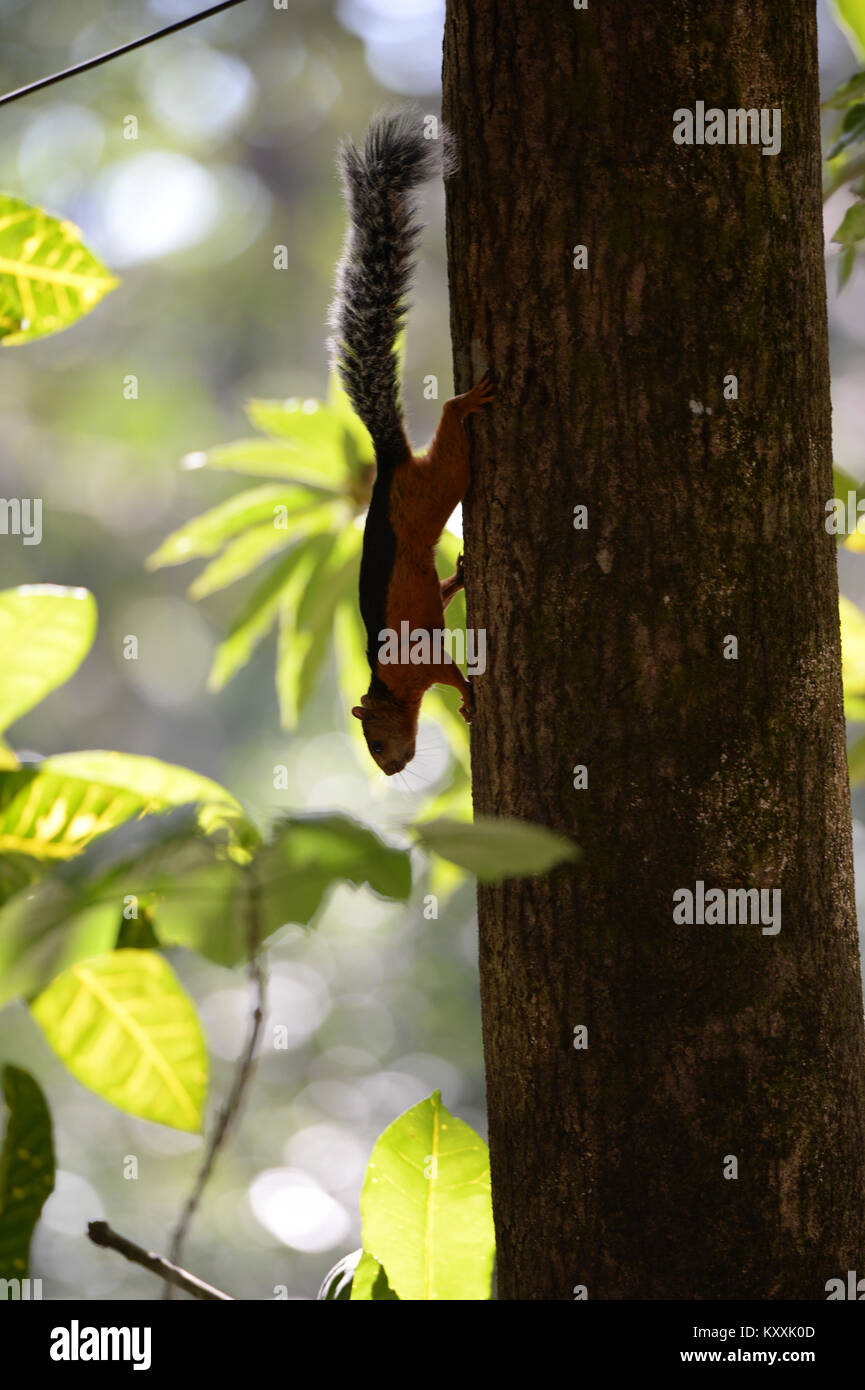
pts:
[413, 495]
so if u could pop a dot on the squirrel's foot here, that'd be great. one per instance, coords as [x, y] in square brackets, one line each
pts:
[451, 587]
[475, 399]
[467, 704]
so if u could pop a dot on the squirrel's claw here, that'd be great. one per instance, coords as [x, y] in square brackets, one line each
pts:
[467, 704]
[474, 400]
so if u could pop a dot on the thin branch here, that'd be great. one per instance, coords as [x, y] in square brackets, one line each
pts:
[101, 1234]
[243, 1071]
[116, 52]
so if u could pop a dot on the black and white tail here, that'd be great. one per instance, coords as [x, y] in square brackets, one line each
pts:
[374, 272]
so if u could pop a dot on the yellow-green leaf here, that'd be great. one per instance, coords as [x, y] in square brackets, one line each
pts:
[850, 17]
[426, 1208]
[495, 848]
[856, 762]
[48, 278]
[254, 621]
[852, 228]
[46, 631]
[123, 1026]
[310, 427]
[239, 558]
[8, 760]
[311, 464]
[295, 642]
[206, 534]
[369, 1283]
[54, 809]
[852, 648]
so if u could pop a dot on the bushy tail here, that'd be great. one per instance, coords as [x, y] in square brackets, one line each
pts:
[373, 275]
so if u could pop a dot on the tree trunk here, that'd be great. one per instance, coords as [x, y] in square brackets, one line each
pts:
[609, 647]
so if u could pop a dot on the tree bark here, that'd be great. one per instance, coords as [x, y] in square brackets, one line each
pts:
[606, 647]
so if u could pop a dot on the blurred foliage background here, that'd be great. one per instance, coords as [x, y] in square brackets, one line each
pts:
[236, 125]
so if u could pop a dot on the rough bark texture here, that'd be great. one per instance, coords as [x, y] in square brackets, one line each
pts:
[606, 648]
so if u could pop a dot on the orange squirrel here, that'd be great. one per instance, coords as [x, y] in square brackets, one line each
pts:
[413, 495]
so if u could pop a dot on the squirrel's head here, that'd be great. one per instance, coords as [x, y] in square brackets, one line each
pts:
[389, 729]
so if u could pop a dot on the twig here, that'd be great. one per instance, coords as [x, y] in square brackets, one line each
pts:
[243, 1071]
[101, 1234]
[115, 52]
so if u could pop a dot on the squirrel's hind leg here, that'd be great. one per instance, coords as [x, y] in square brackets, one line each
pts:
[451, 587]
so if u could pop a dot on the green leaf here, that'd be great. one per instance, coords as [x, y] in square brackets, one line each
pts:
[311, 427]
[856, 762]
[17, 871]
[204, 910]
[850, 18]
[204, 906]
[239, 558]
[309, 853]
[312, 465]
[8, 760]
[26, 1169]
[306, 622]
[48, 278]
[843, 482]
[206, 534]
[852, 130]
[163, 864]
[848, 93]
[48, 927]
[124, 1028]
[497, 847]
[191, 889]
[136, 933]
[47, 631]
[426, 1209]
[350, 639]
[370, 1284]
[336, 1284]
[852, 647]
[295, 641]
[284, 583]
[852, 228]
[357, 1276]
[55, 808]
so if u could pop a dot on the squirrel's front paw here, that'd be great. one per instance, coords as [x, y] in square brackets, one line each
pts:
[467, 705]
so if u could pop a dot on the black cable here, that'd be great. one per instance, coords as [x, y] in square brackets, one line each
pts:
[115, 52]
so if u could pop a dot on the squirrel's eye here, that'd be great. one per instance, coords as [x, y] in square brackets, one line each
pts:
[377, 747]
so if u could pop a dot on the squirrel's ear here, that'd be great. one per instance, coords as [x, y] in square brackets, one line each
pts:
[358, 712]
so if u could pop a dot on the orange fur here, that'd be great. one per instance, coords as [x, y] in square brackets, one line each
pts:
[424, 491]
